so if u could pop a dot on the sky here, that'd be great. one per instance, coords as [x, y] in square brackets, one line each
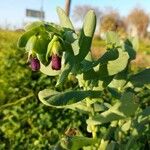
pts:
[12, 12]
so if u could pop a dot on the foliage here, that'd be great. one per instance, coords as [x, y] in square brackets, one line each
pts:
[109, 75]
[30, 125]
[24, 122]
[113, 101]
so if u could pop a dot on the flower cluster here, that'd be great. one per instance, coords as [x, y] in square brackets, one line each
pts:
[53, 55]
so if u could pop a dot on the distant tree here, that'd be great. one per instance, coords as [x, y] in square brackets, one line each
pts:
[140, 20]
[80, 11]
[67, 7]
[111, 21]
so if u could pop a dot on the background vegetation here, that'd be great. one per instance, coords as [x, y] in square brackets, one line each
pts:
[27, 123]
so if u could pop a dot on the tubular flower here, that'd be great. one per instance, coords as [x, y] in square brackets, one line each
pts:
[56, 54]
[34, 63]
[56, 62]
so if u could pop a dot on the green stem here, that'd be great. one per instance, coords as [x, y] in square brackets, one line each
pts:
[91, 114]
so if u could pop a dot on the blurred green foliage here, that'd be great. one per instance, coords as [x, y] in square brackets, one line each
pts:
[29, 124]
[24, 122]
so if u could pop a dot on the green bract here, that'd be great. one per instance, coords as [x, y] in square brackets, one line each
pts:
[109, 74]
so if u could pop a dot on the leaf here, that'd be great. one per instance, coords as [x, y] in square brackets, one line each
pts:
[126, 126]
[72, 38]
[112, 145]
[77, 142]
[48, 70]
[54, 28]
[141, 78]
[119, 64]
[86, 36]
[109, 55]
[113, 67]
[119, 80]
[25, 37]
[114, 92]
[31, 43]
[69, 63]
[107, 67]
[41, 48]
[64, 19]
[32, 25]
[64, 74]
[129, 48]
[112, 38]
[63, 99]
[122, 109]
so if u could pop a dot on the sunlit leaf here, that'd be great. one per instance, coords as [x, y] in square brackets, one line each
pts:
[118, 111]
[64, 19]
[62, 99]
[86, 36]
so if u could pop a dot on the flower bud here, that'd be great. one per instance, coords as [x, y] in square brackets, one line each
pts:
[56, 62]
[34, 63]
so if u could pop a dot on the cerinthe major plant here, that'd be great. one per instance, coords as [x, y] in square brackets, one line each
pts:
[57, 50]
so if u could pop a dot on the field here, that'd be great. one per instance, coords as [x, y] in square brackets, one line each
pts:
[25, 122]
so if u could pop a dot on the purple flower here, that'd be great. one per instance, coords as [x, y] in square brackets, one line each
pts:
[34, 63]
[56, 62]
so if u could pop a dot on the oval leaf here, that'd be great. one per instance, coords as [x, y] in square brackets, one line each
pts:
[63, 99]
[64, 19]
[87, 33]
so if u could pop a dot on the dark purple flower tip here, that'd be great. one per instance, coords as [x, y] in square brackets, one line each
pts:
[56, 62]
[34, 64]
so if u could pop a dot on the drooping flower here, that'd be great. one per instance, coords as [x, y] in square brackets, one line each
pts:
[56, 54]
[34, 63]
[56, 62]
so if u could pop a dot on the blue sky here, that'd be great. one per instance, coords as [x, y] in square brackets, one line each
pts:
[13, 11]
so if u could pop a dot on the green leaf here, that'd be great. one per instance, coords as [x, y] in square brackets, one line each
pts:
[129, 48]
[69, 64]
[77, 142]
[119, 80]
[108, 65]
[112, 38]
[121, 110]
[119, 64]
[48, 70]
[25, 37]
[64, 74]
[86, 36]
[64, 19]
[114, 92]
[72, 38]
[113, 67]
[126, 126]
[141, 78]
[41, 48]
[54, 28]
[31, 43]
[63, 99]
[32, 25]
[108, 55]
[112, 145]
